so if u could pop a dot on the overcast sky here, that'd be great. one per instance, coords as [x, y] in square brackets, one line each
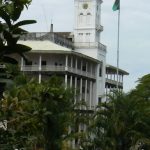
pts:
[134, 31]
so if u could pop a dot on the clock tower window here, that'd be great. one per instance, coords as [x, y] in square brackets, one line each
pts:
[80, 17]
[88, 18]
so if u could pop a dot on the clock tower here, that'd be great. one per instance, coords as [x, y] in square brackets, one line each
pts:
[87, 31]
[87, 26]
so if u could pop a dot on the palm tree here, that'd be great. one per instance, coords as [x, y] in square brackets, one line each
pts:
[121, 123]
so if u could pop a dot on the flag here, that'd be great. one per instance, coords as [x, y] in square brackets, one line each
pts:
[116, 5]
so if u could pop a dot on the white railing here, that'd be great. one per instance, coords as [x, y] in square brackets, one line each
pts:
[53, 68]
[80, 72]
[90, 45]
[99, 27]
[113, 82]
[29, 68]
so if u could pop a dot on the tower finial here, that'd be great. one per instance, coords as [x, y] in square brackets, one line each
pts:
[51, 28]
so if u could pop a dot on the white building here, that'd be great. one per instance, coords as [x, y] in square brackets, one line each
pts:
[78, 57]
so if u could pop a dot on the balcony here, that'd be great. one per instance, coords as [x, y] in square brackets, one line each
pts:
[113, 82]
[52, 68]
[99, 28]
[90, 45]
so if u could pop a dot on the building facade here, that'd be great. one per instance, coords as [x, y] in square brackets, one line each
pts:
[78, 57]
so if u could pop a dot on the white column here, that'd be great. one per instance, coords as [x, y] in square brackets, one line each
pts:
[71, 63]
[81, 89]
[91, 90]
[71, 69]
[85, 90]
[66, 80]
[75, 89]
[22, 63]
[66, 66]
[70, 81]
[76, 66]
[40, 63]
[40, 68]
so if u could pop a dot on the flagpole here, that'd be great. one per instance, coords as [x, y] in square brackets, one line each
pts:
[118, 48]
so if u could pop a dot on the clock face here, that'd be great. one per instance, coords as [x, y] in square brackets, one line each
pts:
[85, 6]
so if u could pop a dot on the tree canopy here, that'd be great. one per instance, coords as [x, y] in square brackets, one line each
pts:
[36, 114]
[123, 122]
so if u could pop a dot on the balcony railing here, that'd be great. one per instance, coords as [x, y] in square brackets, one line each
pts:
[100, 27]
[90, 45]
[52, 68]
[82, 73]
[113, 82]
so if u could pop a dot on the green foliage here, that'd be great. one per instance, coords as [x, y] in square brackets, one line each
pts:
[37, 114]
[123, 122]
[143, 88]
[10, 32]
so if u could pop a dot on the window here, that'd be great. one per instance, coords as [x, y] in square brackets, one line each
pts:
[80, 33]
[81, 18]
[83, 68]
[88, 13]
[88, 18]
[80, 37]
[43, 63]
[28, 63]
[100, 70]
[99, 100]
[88, 37]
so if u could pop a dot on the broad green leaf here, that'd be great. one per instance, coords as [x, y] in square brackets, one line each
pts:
[17, 48]
[24, 22]
[5, 16]
[19, 31]
[10, 60]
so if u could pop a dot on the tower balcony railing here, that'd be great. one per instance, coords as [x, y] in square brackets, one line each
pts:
[90, 45]
[113, 82]
[53, 68]
[100, 27]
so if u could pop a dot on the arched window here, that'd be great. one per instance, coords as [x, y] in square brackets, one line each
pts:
[87, 38]
[80, 37]
[88, 13]
[88, 18]
[81, 18]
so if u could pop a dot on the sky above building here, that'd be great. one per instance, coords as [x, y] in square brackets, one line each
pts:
[134, 31]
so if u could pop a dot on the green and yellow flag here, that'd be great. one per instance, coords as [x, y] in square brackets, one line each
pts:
[116, 5]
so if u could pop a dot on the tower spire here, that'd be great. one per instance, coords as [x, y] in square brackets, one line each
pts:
[51, 27]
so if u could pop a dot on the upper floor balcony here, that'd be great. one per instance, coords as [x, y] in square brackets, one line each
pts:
[90, 45]
[53, 68]
[114, 82]
[99, 27]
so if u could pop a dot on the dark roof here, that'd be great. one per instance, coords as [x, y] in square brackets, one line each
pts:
[113, 69]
